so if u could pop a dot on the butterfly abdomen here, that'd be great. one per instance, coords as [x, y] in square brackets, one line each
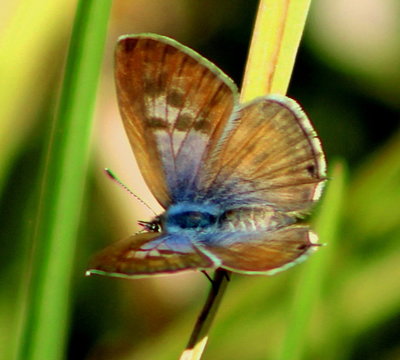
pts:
[253, 219]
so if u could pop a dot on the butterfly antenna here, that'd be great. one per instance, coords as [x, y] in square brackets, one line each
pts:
[113, 177]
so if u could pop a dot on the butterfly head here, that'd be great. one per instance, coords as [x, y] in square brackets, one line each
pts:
[151, 226]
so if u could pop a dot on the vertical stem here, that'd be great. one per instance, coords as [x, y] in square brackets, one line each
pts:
[199, 337]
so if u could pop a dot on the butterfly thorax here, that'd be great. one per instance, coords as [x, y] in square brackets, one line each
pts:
[190, 216]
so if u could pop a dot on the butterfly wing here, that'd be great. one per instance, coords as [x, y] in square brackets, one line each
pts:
[261, 252]
[147, 254]
[174, 105]
[271, 156]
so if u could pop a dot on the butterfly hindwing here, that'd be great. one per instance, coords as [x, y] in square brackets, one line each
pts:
[272, 156]
[175, 106]
[149, 253]
[261, 252]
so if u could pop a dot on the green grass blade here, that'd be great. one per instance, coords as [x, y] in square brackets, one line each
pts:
[310, 284]
[47, 307]
[23, 55]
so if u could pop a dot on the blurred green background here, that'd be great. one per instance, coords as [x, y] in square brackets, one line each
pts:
[347, 78]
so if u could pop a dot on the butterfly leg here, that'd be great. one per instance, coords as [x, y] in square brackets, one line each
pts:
[207, 276]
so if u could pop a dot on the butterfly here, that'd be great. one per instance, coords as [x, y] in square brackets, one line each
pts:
[234, 179]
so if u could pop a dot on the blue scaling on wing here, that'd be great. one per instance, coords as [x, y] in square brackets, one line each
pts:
[177, 243]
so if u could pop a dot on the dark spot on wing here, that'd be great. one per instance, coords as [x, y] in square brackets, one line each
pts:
[156, 123]
[183, 122]
[202, 125]
[175, 99]
[151, 87]
[311, 170]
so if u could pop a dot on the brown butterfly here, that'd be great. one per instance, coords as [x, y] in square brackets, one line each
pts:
[233, 178]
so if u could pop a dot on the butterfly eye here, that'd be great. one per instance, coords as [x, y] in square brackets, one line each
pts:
[151, 226]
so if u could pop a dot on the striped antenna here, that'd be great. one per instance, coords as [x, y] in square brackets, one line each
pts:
[113, 177]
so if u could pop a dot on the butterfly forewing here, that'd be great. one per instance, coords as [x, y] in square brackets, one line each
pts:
[175, 106]
[148, 253]
[272, 156]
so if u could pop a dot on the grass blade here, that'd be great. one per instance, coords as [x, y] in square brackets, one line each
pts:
[276, 38]
[310, 284]
[47, 307]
